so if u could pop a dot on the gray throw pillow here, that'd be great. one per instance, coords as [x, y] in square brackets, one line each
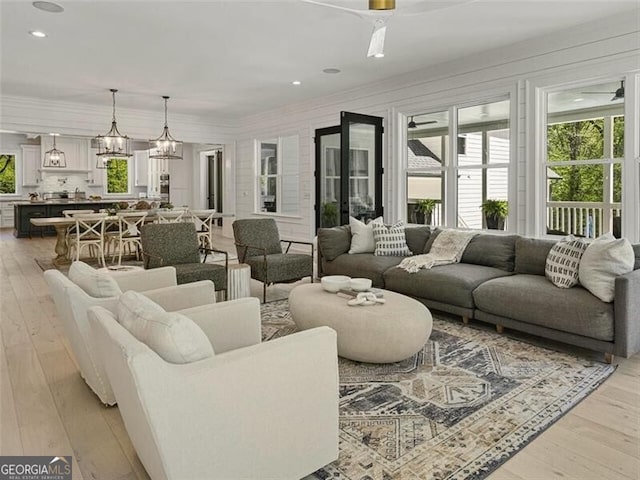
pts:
[431, 239]
[333, 242]
[416, 238]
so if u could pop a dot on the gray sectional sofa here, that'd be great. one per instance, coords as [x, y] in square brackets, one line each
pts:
[500, 280]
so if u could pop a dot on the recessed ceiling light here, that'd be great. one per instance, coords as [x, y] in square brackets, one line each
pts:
[54, 134]
[48, 7]
[39, 34]
[296, 82]
[331, 70]
[483, 115]
[578, 99]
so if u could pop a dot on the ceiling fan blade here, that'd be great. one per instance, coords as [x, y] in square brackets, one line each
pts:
[427, 123]
[423, 6]
[376, 44]
[597, 93]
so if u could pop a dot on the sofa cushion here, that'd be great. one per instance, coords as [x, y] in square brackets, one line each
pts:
[533, 299]
[563, 261]
[281, 267]
[417, 238]
[390, 240]
[498, 251]
[604, 259]
[174, 337]
[362, 240]
[451, 284]
[531, 255]
[95, 284]
[334, 241]
[361, 265]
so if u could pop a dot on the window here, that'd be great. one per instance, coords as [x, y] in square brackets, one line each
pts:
[7, 174]
[118, 176]
[585, 145]
[278, 175]
[484, 153]
[427, 154]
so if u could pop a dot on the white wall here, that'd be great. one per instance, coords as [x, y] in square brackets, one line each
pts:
[607, 48]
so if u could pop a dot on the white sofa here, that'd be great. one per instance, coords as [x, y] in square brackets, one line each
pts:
[72, 303]
[250, 411]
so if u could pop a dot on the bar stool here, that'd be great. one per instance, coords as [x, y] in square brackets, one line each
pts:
[32, 226]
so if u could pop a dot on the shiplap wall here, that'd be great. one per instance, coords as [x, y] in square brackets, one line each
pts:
[610, 47]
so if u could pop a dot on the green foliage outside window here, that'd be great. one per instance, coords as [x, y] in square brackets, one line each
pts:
[118, 176]
[583, 141]
[7, 174]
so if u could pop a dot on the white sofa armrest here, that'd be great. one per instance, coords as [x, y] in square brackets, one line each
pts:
[183, 296]
[141, 280]
[229, 325]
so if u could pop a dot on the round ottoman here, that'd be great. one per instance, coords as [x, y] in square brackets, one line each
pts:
[376, 334]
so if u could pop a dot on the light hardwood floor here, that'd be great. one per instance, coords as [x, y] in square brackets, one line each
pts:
[46, 408]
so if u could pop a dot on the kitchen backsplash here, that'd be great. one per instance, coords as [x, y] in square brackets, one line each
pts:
[59, 183]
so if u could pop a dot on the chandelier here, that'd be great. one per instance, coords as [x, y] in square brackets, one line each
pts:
[165, 147]
[54, 158]
[112, 144]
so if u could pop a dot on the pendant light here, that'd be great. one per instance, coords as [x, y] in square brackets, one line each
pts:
[54, 158]
[165, 147]
[113, 144]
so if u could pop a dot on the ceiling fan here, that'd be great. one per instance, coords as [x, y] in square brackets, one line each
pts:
[380, 11]
[413, 124]
[617, 95]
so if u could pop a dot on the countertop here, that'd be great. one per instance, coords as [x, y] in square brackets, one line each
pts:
[76, 202]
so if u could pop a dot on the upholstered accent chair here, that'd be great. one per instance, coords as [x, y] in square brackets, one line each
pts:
[245, 410]
[177, 245]
[259, 245]
[72, 301]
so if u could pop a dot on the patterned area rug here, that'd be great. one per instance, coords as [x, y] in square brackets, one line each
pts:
[458, 409]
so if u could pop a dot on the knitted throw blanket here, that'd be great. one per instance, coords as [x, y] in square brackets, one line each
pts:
[447, 248]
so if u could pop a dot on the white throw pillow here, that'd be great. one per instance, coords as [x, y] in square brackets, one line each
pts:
[390, 241]
[174, 337]
[604, 259]
[94, 283]
[362, 240]
[563, 261]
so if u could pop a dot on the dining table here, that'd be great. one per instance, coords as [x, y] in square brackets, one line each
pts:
[61, 225]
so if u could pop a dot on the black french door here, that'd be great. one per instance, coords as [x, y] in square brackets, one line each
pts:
[349, 170]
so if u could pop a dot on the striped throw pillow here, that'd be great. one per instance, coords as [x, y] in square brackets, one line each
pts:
[563, 262]
[390, 241]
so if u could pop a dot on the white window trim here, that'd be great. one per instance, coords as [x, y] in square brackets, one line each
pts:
[18, 169]
[630, 162]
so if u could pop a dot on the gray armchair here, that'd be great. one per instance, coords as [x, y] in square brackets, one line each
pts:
[177, 245]
[258, 245]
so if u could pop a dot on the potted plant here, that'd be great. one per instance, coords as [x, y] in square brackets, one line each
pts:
[495, 212]
[424, 210]
[329, 215]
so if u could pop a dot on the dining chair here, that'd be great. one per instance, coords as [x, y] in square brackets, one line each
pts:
[71, 229]
[203, 220]
[88, 232]
[170, 216]
[128, 234]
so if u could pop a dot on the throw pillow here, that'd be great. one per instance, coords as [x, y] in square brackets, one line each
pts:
[563, 261]
[432, 238]
[390, 241]
[95, 284]
[362, 240]
[604, 259]
[174, 337]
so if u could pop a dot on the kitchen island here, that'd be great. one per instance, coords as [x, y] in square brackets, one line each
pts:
[24, 211]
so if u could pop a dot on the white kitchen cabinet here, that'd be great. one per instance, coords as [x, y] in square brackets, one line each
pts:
[75, 152]
[97, 176]
[6, 214]
[30, 165]
[141, 168]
